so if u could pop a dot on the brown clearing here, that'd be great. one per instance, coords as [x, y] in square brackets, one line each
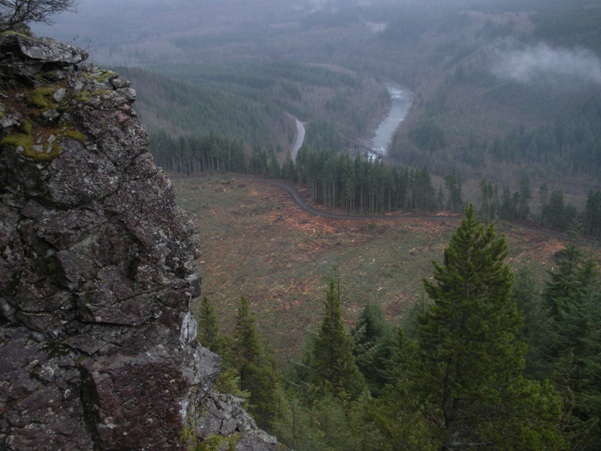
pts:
[257, 242]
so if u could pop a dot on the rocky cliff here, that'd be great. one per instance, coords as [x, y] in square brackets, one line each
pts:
[98, 347]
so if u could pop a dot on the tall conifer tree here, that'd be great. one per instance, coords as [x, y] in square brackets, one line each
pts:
[374, 341]
[256, 367]
[208, 328]
[333, 364]
[573, 300]
[470, 364]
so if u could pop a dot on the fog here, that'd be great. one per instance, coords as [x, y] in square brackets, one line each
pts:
[138, 32]
[544, 64]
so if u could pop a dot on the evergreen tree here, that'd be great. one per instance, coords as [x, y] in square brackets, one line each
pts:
[333, 367]
[453, 183]
[296, 426]
[592, 215]
[525, 195]
[399, 414]
[470, 363]
[373, 347]
[573, 299]
[255, 366]
[208, 328]
[535, 332]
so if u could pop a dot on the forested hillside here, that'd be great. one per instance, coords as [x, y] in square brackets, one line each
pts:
[504, 90]
[518, 95]
[256, 102]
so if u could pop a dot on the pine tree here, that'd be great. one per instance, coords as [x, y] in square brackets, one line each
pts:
[373, 347]
[256, 367]
[399, 415]
[535, 332]
[573, 299]
[333, 367]
[470, 364]
[208, 328]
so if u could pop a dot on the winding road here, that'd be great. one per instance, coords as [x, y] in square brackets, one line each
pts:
[300, 200]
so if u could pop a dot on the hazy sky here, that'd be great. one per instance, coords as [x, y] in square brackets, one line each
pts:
[114, 30]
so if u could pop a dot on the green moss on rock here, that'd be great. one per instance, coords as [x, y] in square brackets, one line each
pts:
[26, 126]
[74, 134]
[39, 96]
[15, 33]
[214, 442]
[26, 143]
[22, 140]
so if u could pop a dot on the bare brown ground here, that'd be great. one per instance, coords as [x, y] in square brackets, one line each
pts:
[257, 242]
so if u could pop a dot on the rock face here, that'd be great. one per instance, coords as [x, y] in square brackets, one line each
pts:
[98, 347]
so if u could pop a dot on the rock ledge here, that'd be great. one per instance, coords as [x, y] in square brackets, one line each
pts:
[98, 347]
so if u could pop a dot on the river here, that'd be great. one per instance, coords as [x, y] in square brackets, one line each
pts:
[300, 138]
[402, 99]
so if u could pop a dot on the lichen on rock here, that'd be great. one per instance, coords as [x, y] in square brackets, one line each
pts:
[97, 271]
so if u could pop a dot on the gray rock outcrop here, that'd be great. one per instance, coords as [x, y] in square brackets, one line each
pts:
[98, 347]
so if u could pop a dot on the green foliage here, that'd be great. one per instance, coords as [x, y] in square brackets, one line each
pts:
[194, 154]
[26, 142]
[322, 135]
[535, 331]
[465, 369]
[215, 442]
[328, 423]
[296, 427]
[428, 136]
[74, 134]
[453, 184]
[573, 300]
[252, 101]
[204, 109]
[399, 414]
[591, 217]
[40, 96]
[570, 27]
[209, 334]
[570, 142]
[466, 337]
[557, 214]
[333, 368]
[360, 184]
[373, 338]
[255, 365]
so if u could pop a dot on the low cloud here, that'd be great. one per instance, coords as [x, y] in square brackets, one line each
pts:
[544, 64]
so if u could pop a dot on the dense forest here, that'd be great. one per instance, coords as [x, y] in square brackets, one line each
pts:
[256, 103]
[492, 361]
[362, 185]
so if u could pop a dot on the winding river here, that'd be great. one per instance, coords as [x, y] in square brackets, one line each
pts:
[298, 141]
[402, 99]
